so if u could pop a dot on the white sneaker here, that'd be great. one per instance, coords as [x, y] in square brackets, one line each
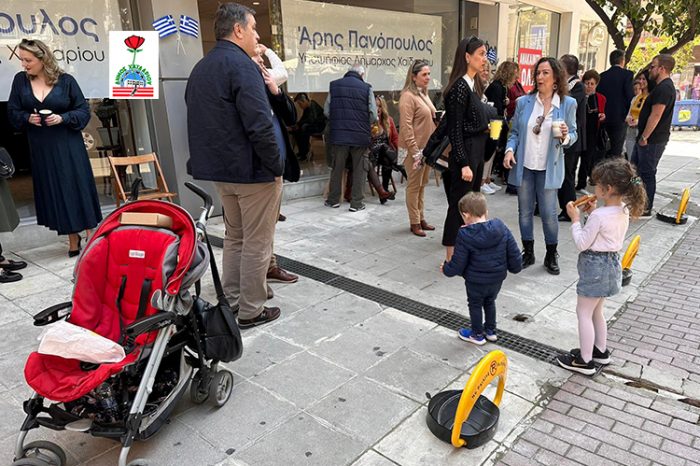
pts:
[494, 186]
[486, 189]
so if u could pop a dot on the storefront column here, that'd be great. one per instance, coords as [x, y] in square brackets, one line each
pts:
[569, 29]
[503, 12]
[168, 114]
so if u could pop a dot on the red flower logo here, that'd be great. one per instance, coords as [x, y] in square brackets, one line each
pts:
[134, 42]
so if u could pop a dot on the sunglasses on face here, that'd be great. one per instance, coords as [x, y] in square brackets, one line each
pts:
[537, 129]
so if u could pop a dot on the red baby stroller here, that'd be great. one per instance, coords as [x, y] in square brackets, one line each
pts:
[131, 286]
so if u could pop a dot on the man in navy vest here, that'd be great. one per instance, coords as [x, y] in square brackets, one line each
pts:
[351, 110]
[235, 143]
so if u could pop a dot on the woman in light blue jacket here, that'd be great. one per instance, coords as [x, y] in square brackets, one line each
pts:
[543, 126]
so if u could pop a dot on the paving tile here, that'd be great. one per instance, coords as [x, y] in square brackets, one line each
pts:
[303, 379]
[364, 409]
[175, 444]
[302, 440]
[250, 413]
[330, 318]
[372, 458]
[356, 349]
[413, 375]
[412, 444]
[262, 350]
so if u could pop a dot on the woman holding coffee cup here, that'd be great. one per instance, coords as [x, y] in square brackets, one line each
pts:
[544, 125]
[48, 104]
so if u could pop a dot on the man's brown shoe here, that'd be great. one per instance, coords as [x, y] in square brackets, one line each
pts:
[426, 226]
[268, 314]
[416, 230]
[279, 275]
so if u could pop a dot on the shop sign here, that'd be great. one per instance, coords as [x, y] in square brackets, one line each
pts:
[133, 65]
[527, 59]
[76, 32]
[322, 41]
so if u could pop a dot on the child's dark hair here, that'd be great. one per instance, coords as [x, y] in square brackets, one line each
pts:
[473, 204]
[622, 177]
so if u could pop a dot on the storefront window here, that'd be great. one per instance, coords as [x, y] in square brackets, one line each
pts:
[116, 127]
[532, 28]
[592, 46]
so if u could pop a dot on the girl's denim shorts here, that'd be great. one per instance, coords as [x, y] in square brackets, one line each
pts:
[599, 274]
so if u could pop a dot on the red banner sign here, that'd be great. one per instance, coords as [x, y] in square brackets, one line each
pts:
[527, 59]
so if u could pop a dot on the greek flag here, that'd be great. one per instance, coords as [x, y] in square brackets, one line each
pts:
[491, 55]
[189, 26]
[165, 26]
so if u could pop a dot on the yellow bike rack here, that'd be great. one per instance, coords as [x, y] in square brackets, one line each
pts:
[628, 258]
[680, 218]
[465, 418]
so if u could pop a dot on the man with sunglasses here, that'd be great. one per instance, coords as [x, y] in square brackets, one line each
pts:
[655, 125]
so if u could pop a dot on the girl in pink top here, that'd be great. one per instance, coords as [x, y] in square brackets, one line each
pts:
[600, 274]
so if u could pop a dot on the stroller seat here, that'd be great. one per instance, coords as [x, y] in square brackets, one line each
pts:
[114, 281]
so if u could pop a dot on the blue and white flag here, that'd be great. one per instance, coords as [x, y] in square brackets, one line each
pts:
[165, 26]
[491, 55]
[189, 26]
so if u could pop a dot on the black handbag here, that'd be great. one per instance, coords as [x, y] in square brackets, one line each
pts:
[218, 331]
[436, 146]
[7, 167]
[603, 142]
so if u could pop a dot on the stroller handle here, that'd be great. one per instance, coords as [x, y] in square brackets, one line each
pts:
[205, 197]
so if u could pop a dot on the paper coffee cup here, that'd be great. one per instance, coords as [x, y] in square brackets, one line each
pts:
[43, 113]
[556, 128]
[496, 127]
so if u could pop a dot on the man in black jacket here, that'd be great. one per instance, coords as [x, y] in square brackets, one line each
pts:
[567, 192]
[616, 86]
[312, 121]
[233, 142]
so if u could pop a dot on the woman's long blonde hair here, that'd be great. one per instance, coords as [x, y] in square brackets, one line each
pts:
[410, 84]
[41, 51]
[384, 118]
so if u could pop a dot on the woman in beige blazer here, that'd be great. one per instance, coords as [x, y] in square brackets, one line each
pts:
[416, 124]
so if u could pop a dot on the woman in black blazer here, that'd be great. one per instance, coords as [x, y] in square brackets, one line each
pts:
[467, 139]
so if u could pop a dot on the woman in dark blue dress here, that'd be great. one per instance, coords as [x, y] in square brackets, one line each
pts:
[64, 186]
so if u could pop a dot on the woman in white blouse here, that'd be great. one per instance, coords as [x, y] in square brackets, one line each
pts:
[544, 125]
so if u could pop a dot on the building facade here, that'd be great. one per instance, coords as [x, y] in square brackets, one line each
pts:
[317, 40]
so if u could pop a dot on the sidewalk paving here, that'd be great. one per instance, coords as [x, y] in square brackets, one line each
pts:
[339, 379]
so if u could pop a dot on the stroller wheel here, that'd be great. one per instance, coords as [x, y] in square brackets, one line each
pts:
[29, 462]
[199, 389]
[221, 387]
[46, 453]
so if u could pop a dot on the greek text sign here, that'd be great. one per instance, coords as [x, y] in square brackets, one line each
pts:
[322, 41]
[133, 64]
[76, 32]
[527, 59]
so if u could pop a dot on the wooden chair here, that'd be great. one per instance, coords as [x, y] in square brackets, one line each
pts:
[120, 165]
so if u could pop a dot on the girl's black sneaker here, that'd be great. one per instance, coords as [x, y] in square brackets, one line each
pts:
[576, 364]
[598, 356]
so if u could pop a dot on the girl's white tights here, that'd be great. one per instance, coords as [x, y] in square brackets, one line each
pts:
[592, 328]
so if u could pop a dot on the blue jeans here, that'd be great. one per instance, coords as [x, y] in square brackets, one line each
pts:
[646, 159]
[481, 296]
[531, 188]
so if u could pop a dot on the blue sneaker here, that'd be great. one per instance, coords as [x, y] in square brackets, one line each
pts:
[467, 335]
[491, 335]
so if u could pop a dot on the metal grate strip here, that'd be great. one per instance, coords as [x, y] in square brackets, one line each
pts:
[443, 317]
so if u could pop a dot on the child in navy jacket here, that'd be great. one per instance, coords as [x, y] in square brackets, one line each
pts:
[484, 253]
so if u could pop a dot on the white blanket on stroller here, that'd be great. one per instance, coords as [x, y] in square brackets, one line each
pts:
[72, 342]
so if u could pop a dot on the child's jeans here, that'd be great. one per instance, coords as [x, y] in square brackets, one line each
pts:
[482, 296]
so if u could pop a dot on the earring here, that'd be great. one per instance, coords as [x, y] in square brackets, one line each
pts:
[555, 87]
